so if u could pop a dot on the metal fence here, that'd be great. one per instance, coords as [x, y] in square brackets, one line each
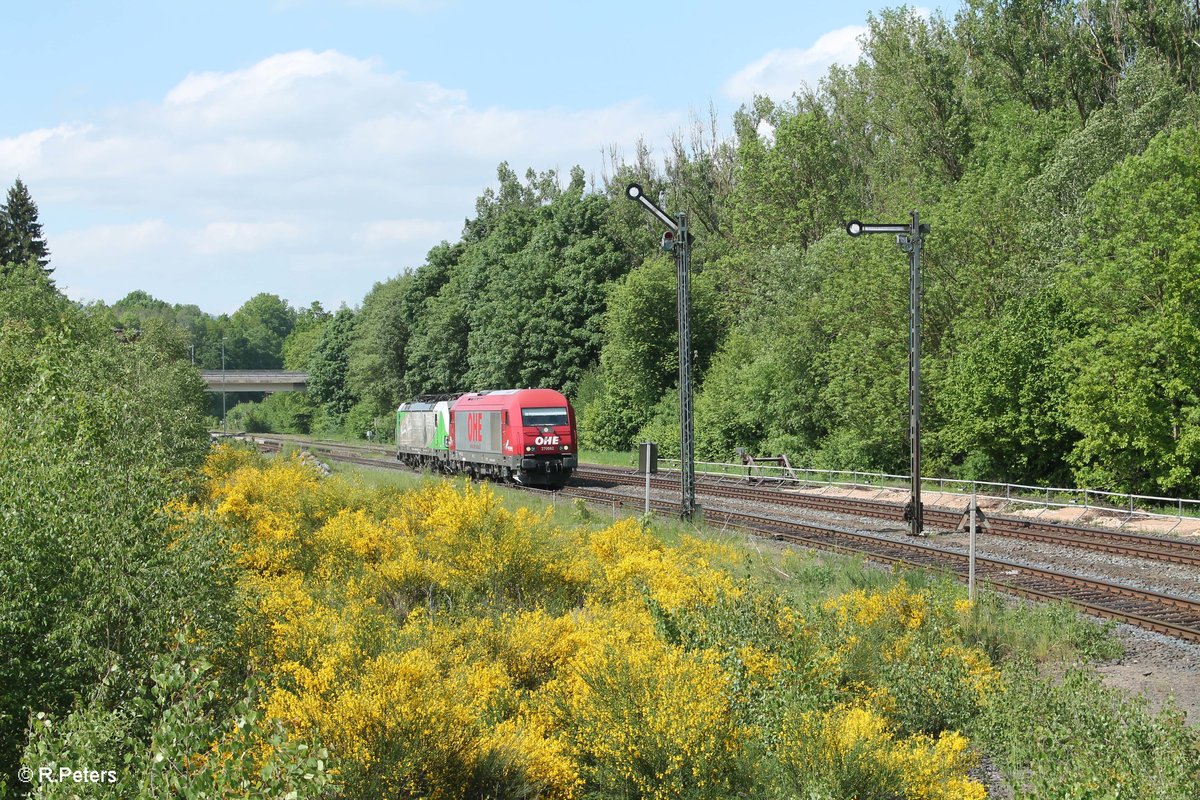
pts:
[1045, 496]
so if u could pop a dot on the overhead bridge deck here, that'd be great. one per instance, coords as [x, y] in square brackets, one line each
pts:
[254, 380]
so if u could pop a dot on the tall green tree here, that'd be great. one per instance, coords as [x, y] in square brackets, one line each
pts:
[902, 114]
[436, 354]
[21, 236]
[542, 291]
[640, 357]
[377, 354]
[329, 366]
[793, 184]
[304, 336]
[1048, 53]
[863, 367]
[257, 331]
[699, 176]
[1000, 395]
[97, 434]
[1135, 285]
[763, 386]
[1146, 103]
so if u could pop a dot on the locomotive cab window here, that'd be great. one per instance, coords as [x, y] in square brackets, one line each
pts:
[541, 417]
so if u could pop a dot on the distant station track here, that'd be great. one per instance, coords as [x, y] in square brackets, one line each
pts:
[1174, 616]
[1175, 551]
[274, 442]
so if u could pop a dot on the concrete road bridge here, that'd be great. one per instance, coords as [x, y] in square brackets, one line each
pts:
[254, 380]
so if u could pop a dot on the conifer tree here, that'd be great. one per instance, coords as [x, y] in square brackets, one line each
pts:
[20, 232]
[7, 244]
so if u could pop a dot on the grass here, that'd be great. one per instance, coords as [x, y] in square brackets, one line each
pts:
[565, 511]
[609, 458]
[1036, 632]
[1040, 632]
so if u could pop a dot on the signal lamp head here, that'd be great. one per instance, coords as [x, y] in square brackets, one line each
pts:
[668, 242]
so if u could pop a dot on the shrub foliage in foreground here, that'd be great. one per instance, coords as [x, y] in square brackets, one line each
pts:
[443, 646]
[434, 644]
[96, 435]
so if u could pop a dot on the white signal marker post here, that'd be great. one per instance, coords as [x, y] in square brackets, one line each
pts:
[910, 238]
[971, 552]
[648, 463]
[680, 243]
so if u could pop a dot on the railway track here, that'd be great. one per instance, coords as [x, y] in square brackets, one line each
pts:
[1166, 614]
[1173, 616]
[1174, 551]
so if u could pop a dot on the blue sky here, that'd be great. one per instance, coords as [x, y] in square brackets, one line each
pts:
[205, 152]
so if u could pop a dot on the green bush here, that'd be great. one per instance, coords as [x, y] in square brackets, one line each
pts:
[97, 435]
[1041, 631]
[1076, 738]
[178, 737]
[663, 426]
[366, 416]
[284, 412]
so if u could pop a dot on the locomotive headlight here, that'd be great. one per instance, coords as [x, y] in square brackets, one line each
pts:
[566, 447]
[528, 448]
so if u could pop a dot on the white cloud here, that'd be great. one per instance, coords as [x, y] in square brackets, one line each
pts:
[387, 231]
[24, 150]
[782, 73]
[316, 162]
[244, 237]
[113, 241]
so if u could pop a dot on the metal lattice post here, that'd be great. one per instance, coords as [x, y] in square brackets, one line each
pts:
[914, 369]
[678, 241]
[910, 238]
[687, 441]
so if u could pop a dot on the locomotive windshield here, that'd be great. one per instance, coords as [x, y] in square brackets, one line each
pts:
[541, 417]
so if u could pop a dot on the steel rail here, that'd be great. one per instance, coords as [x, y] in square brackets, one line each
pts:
[1175, 616]
[1174, 551]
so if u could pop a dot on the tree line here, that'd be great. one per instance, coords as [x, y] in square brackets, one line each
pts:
[1051, 144]
[1053, 147]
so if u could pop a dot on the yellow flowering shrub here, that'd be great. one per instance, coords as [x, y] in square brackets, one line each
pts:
[445, 647]
[632, 561]
[547, 761]
[899, 607]
[651, 721]
[226, 459]
[759, 664]
[249, 491]
[978, 672]
[269, 504]
[905, 641]
[853, 752]
[534, 646]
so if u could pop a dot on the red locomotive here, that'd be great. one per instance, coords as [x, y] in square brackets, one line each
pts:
[523, 435]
